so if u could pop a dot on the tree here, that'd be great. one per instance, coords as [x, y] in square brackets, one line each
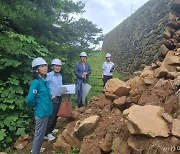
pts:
[28, 29]
[86, 33]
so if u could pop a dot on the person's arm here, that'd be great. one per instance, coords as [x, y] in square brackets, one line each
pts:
[79, 75]
[48, 79]
[32, 95]
[102, 74]
[112, 68]
[88, 72]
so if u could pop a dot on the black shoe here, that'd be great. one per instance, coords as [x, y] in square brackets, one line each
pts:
[80, 105]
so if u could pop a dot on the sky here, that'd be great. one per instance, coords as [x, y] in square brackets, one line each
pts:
[107, 14]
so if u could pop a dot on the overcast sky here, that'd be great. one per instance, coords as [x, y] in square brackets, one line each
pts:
[107, 14]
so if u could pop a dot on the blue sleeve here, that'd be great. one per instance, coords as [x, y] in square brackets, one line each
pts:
[32, 95]
[79, 75]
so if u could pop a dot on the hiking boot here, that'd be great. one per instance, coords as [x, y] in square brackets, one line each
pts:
[80, 105]
[49, 137]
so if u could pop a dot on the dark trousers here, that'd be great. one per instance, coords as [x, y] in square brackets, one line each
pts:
[53, 118]
[105, 79]
[79, 95]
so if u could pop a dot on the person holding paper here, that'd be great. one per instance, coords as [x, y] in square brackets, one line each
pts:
[108, 67]
[54, 79]
[82, 71]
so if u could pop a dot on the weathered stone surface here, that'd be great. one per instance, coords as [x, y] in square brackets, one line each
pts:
[133, 144]
[158, 63]
[116, 112]
[21, 142]
[177, 32]
[150, 79]
[70, 138]
[86, 126]
[163, 49]
[111, 96]
[172, 16]
[169, 44]
[161, 72]
[176, 127]
[178, 45]
[178, 68]
[88, 147]
[88, 111]
[142, 48]
[119, 102]
[167, 34]
[154, 66]
[177, 81]
[155, 149]
[119, 146]
[171, 75]
[146, 71]
[175, 141]
[136, 83]
[146, 120]
[117, 87]
[168, 65]
[178, 50]
[171, 59]
[75, 114]
[61, 145]
[105, 145]
[167, 118]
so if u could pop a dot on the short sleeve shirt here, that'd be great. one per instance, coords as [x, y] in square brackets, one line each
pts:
[107, 67]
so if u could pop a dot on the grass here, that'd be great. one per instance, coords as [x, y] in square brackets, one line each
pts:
[96, 61]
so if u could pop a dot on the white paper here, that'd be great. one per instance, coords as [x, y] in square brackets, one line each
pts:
[64, 90]
[85, 90]
[71, 89]
[60, 91]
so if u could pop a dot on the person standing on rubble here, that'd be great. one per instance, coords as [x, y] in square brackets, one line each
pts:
[108, 67]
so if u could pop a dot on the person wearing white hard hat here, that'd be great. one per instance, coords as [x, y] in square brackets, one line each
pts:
[107, 68]
[39, 99]
[82, 71]
[54, 79]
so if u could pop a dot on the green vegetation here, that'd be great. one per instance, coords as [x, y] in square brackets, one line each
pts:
[29, 29]
[96, 61]
[39, 28]
[74, 150]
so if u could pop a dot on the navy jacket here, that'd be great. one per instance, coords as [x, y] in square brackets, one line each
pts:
[79, 70]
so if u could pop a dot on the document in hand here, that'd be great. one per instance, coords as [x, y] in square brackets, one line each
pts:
[60, 91]
[85, 90]
[70, 89]
[64, 90]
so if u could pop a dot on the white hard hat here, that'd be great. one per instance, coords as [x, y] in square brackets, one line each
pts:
[38, 61]
[83, 54]
[56, 62]
[108, 55]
